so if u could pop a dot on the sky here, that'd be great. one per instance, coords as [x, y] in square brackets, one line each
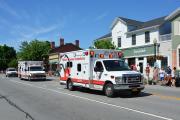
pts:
[84, 20]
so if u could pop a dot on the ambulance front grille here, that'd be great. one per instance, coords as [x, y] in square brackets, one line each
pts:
[132, 78]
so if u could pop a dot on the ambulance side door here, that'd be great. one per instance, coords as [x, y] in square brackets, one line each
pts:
[98, 70]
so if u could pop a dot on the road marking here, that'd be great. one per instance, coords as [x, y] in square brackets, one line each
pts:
[96, 101]
[166, 97]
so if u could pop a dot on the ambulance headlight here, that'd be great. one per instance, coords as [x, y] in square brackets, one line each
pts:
[118, 80]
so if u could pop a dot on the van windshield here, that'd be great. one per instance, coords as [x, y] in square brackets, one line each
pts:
[11, 69]
[36, 68]
[115, 65]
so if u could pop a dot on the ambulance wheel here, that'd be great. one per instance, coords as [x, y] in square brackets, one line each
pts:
[20, 77]
[109, 90]
[29, 78]
[70, 85]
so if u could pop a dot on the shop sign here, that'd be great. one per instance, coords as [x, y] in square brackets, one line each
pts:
[139, 51]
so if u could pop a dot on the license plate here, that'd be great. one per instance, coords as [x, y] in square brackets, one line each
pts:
[134, 89]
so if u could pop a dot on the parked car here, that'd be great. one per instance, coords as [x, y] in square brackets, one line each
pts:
[11, 72]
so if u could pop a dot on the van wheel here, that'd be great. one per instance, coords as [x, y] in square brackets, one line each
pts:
[70, 85]
[109, 90]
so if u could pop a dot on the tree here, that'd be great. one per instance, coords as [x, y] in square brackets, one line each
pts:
[7, 54]
[13, 63]
[34, 50]
[104, 44]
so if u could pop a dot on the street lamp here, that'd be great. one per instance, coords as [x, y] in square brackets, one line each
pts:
[155, 43]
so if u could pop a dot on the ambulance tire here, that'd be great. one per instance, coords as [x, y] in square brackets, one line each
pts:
[109, 90]
[70, 85]
[29, 78]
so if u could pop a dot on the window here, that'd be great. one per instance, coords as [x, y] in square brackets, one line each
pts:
[134, 39]
[141, 58]
[69, 64]
[79, 67]
[147, 37]
[119, 42]
[99, 67]
[177, 28]
[115, 65]
[164, 62]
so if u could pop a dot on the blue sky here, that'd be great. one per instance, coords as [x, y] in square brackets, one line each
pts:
[86, 20]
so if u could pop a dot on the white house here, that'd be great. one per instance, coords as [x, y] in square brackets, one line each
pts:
[145, 42]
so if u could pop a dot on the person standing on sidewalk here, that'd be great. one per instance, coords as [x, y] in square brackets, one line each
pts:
[162, 74]
[138, 68]
[173, 76]
[169, 76]
[155, 75]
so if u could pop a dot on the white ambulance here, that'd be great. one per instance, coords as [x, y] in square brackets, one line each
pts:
[31, 70]
[99, 69]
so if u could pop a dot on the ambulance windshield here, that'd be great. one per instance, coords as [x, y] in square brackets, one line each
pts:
[115, 65]
[36, 68]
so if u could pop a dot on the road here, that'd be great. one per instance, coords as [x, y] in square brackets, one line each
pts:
[47, 100]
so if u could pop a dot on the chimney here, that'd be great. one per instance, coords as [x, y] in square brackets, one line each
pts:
[52, 45]
[61, 41]
[77, 43]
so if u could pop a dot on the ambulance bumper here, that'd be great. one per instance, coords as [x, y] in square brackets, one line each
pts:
[128, 87]
[38, 78]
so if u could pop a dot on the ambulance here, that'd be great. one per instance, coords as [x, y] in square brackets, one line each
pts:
[99, 69]
[31, 70]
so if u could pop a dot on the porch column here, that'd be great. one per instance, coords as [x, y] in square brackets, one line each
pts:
[174, 59]
[136, 61]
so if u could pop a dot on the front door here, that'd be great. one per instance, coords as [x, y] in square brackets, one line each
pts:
[97, 74]
[141, 67]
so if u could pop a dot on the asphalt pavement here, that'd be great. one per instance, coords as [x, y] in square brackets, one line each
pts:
[48, 100]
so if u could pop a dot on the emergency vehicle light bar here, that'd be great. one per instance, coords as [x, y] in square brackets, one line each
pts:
[120, 54]
[86, 53]
[101, 55]
[92, 53]
[110, 55]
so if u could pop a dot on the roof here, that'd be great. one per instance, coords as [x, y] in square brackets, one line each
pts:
[139, 24]
[154, 22]
[65, 48]
[105, 36]
[131, 21]
[173, 14]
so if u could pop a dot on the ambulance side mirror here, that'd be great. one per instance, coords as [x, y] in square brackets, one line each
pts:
[95, 69]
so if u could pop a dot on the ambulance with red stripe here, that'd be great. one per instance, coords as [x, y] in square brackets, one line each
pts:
[99, 69]
[31, 70]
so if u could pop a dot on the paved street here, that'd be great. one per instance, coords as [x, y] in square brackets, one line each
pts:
[47, 100]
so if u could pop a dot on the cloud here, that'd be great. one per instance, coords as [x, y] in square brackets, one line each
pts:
[4, 6]
[101, 16]
[26, 32]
